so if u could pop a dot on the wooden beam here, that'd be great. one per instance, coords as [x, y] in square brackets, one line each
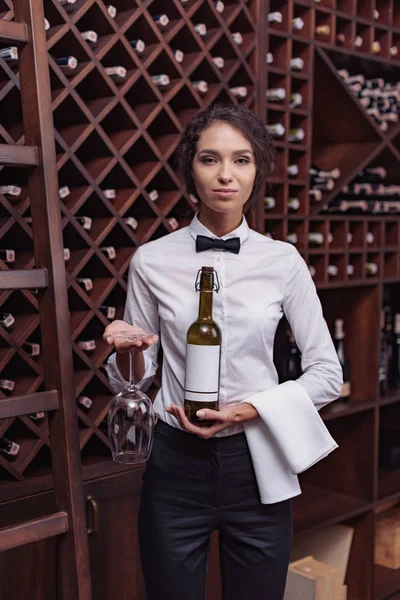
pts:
[23, 279]
[16, 406]
[18, 156]
[33, 531]
[11, 31]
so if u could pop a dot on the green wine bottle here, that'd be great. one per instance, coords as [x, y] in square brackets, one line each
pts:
[203, 354]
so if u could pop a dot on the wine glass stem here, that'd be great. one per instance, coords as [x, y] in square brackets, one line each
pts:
[131, 369]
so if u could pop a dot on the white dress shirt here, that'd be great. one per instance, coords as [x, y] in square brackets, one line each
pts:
[267, 279]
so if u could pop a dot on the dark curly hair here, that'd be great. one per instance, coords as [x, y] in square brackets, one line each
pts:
[242, 119]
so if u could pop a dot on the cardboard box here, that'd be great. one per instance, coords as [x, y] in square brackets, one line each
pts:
[310, 579]
[329, 545]
[387, 539]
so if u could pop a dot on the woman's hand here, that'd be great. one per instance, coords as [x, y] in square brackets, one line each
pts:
[224, 418]
[120, 328]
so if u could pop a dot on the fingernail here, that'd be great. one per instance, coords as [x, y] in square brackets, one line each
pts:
[201, 414]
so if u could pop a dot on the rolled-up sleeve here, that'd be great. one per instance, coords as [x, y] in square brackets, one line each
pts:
[141, 309]
[290, 410]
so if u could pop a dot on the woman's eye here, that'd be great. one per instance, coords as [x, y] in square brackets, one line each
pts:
[208, 160]
[243, 161]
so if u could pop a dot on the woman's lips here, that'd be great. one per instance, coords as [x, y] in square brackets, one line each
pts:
[225, 193]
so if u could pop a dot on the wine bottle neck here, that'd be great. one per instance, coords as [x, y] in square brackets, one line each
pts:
[205, 306]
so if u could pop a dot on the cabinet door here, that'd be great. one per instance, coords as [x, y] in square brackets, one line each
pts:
[29, 571]
[111, 512]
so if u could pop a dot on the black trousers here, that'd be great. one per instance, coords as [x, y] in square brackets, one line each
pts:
[192, 487]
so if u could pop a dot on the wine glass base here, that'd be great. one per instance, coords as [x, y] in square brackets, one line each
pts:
[130, 458]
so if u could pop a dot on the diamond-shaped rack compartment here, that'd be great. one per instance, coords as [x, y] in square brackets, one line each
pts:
[142, 37]
[119, 128]
[120, 66]
[118, 188]
[94, 154]
[186, 41]
[142, 99]
[164, 133]
[11, 114]
[94, 20]
[334, 143]
[71, 123]
[96, 93]
[118, 248]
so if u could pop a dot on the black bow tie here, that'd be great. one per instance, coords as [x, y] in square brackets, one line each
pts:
[205, 243]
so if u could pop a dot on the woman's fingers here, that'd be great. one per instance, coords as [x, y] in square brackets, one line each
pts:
[203, 432]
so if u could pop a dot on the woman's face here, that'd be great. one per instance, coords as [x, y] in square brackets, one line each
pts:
[224, 168]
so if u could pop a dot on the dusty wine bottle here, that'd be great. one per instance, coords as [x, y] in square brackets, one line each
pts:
[7, 255]
[6, 319]
[203, 353]
[8, 447]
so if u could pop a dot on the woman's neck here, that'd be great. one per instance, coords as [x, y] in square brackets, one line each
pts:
[219, 224]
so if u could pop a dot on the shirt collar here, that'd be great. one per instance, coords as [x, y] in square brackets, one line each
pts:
[196, 228]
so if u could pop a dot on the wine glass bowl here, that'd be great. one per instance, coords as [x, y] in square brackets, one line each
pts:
[131, 416]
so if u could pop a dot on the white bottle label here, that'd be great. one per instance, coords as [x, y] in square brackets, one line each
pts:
[202, 373]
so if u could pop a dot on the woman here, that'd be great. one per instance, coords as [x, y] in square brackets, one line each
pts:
[238, 475]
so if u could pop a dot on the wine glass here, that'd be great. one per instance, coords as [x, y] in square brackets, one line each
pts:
[131, 417]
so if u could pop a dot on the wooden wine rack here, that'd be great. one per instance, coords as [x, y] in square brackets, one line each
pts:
[122, 135]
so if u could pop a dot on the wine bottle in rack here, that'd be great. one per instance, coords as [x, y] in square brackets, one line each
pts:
[371, 268]
[297, 24]
[64, 191]
[201, 29]
[383, 356]
[138, 45]
[85, 222]
[276, 94]
[338, 340]
[203, 353]
[200, 86]
[117, 73]
[295, 100]
[269, 58]
[87, 345]
[291, 364]
[296, 134]
[393, 51]
[325, 173]
[84, 403]
[153, 195]
[67, 254]
[275, 17]
[108, 311]
[276, 130]
[394, 364]
[292, 238]
[173, 223]
[313, 270]
[293, 204]
[131, 222]
[112, 11]
[85, 282]
[9, 54]
[161, 20]
[109, 251]
[6, 320]
[219, 62]
[332, 270]
[67, 63]
[296, 64]
[161, 80]
[7, 385]
[8, 447]
[316, 238]
[269, 202]
[240, 91]
[179, 56]
[293, 170]
[219, 6]
[350, 270]
[33, 349]
[323, 30]
[110, 193]
[7, 255]
[67, 3]
[89, 36]
[10, 190]
[369, 237]
[340, 39]
[237, 38]
[376, 47]
[358, 42]
[315, 195]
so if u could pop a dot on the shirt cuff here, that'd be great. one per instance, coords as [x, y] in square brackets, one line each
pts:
[117, 381]
[295, 424]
